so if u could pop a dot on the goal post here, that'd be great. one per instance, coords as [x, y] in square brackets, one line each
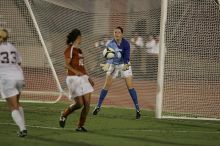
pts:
[160, 75]
[46, 52]
[189, 66]
[41, 80]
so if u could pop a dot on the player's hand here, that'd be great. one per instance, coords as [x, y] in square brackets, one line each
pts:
[91, 82]
[125, 67]
[78, 73]
[105, 67]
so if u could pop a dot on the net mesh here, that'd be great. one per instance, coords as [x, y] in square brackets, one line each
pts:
[38, 76]
[192, 64]
[96, 19]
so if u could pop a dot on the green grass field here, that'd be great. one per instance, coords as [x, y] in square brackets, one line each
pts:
[111, 127]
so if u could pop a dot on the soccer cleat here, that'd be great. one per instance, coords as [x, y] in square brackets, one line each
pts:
[96, 110]
[81, 129]
[22, 133]
[138, 115]
[62, 121]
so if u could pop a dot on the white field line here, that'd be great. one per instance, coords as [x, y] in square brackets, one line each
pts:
[140, 130]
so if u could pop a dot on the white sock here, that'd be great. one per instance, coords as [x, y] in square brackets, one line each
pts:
[16, 116]
[22, 113]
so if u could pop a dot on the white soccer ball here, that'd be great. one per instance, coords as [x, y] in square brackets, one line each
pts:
[109, 53]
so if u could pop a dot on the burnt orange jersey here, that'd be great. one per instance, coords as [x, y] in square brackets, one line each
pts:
[76, 56]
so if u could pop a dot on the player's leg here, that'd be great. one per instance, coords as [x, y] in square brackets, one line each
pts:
[133, 94]
[19, 86]
[16, 115]
[10, 90]
[86, 106]
[20, 107]
[73, 84]
[71, 108]
[103, 93]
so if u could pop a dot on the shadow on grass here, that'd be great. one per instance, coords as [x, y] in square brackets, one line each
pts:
[55, 142]
[146, 140]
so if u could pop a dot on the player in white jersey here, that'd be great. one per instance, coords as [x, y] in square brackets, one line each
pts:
[11, 80]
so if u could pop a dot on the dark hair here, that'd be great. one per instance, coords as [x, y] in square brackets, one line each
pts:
[119, 27]
[72, 36]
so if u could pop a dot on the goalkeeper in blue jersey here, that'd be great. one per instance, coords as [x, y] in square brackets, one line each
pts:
[119, 65]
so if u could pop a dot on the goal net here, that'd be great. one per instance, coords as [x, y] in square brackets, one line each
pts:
[38, 28]
[190, 68]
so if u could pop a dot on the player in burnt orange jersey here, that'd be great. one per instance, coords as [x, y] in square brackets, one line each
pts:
[79, 84]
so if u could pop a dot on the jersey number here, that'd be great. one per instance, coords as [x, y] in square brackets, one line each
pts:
[5, 57]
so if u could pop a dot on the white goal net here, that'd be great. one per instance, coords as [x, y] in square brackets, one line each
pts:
[191, 66]
[38, 28]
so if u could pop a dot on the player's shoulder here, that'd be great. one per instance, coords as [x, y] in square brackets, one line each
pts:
[125, 41]
[110, 41]
[8, 46]
[67, 50]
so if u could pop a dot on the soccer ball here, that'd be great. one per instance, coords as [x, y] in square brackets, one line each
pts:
[109, 53]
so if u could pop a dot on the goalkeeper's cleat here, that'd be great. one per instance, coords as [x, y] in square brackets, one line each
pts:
[81, 129]
[62, 121]
[138, 115]
[96, 110]
[22, 133]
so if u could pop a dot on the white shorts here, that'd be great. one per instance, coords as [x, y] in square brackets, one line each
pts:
[10, 88]
[117, 71]
[78, 86]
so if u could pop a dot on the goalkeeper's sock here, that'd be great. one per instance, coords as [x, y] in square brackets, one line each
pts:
[134, 98]
[16, 116]
[102, 97]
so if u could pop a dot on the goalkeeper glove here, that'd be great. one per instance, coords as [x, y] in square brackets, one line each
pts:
[105, 67]
[125, 67]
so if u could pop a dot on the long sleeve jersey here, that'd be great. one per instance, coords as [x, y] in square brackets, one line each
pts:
[122, 52]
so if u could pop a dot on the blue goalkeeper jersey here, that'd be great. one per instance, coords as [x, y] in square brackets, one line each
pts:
[122, 52]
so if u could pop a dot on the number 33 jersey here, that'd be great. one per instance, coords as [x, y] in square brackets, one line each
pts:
[9, 62]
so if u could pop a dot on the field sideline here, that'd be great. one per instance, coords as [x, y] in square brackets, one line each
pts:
[112, 127]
